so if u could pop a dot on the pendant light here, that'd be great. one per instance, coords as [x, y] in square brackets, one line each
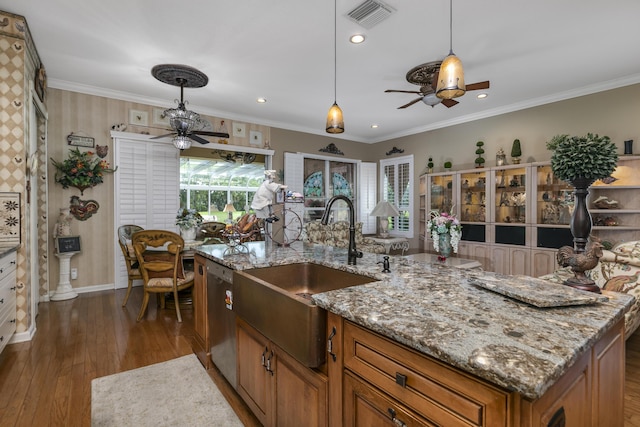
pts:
[335, 122]
[451, 76]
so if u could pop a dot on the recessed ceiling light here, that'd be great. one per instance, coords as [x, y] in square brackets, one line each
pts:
[482, 95]
[356, 38]
[374, 126]
[261, 100]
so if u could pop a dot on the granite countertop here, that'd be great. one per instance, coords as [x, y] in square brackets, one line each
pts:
[438, 311]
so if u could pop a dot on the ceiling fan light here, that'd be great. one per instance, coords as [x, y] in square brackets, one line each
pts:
[450, 78]
[181, 142]
[431, 99]
[335, 122]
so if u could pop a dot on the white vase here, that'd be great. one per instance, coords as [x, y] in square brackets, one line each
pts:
[189, 234]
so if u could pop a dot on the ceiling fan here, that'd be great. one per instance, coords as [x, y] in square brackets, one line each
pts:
[186, 125]
[233, 156]
[426, 76]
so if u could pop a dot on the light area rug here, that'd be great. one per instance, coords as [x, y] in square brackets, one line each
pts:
[178, 392]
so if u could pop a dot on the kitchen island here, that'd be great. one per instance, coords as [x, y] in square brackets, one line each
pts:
[431, 310]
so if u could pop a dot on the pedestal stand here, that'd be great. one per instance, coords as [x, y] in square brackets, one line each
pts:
[64, 290]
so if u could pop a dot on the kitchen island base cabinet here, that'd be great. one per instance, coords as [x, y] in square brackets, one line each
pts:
[429, 389]
[386, 383]
[277, 388]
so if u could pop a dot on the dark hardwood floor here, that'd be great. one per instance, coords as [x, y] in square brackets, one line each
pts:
[47, 382]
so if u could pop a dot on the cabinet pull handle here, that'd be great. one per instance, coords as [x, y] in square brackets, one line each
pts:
[13, 288]
[2, 301]
[12, 321]
[401, 380]
[268, 368]
[12, 263]
[394, 420]
[558, 419]
[264, 359]
[1, 338]
[330, 343]
[1, 270]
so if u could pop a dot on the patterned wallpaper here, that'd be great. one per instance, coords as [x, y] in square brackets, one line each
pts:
[18, 61]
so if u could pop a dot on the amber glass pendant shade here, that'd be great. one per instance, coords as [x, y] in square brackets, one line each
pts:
[450, 78]
[335, 122]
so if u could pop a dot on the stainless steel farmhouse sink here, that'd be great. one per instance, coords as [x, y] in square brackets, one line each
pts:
[277, 302]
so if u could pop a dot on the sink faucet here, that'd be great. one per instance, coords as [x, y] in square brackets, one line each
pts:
[353, 252]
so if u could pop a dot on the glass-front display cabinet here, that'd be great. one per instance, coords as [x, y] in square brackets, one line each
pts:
[473, 204]
[441, 187]
[510, 204]
[554, 203]
[324, 179]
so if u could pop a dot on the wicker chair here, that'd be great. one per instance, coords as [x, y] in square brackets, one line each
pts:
[124, 240]
[159, 254]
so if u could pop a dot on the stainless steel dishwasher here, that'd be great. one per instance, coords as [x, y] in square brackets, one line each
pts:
[222, 319]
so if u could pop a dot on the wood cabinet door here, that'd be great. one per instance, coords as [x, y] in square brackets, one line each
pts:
[301, 394]
[201, 344]
[519, 261]
[543, 261]
[255, 383]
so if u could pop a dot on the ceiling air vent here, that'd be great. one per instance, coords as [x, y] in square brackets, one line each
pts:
[370, 13]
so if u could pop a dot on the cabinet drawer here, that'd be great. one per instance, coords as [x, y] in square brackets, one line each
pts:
[7, 265]
[438, 392]
[7, 300]
[365, 406]
[7, 325]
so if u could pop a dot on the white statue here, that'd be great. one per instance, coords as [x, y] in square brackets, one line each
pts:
[263, 199]
[63, 226]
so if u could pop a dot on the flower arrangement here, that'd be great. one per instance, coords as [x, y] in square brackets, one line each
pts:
[188, 218]
[442, 223]
[81, 170]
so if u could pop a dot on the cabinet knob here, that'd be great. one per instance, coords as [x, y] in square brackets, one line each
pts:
[2, 301]
[401, 380]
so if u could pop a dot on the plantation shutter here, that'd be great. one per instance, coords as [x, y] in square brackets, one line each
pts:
[367, 195]
[146, 188]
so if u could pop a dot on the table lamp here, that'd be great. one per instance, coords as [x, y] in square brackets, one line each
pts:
[384, 210]
[230, 210]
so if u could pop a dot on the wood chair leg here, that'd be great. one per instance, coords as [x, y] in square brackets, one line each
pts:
[126, 297]
[177, 304]
[143, 309]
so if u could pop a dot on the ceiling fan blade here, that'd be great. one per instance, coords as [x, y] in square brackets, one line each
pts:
[162, 136]
[410, 103]
[449, 102]
[210, 133]
[196, 138]
[402, 91]
[478, 86]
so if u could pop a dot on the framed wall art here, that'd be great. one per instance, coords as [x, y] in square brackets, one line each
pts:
[255, 138]
[159, 118]
[240, 130]
[138, 117]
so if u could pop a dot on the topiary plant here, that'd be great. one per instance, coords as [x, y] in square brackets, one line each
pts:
[447, 165]
[516, 151]
[591, 157]
[430, 163]
[479, 151]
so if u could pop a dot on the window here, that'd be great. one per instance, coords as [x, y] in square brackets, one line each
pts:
[207, 185]
[396, 186]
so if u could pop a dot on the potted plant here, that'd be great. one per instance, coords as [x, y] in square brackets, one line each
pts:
[516, 152]
[81, 170]
[430, 165]
[188, 220]
[447, 165]
[479, 151]
[581, 160]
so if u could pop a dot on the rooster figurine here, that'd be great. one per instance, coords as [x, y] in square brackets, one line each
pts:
[581, 262]
[83, 209]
